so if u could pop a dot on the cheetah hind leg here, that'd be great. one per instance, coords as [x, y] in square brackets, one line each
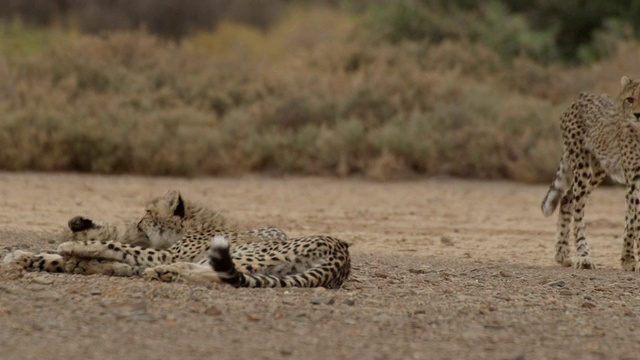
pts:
[594, 176]
[563, 253]
[56, 263]
[583, 261]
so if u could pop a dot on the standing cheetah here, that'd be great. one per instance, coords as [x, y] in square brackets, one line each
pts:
[600, 136]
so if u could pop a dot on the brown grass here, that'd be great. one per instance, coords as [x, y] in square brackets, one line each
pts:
[294, 99]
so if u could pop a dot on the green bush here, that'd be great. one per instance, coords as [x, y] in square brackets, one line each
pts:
[573, 31]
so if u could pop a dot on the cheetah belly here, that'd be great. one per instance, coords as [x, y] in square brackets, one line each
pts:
[608, 154]
[615, 172]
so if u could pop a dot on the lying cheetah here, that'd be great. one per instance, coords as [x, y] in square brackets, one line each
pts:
[600, 136]
[180, 234]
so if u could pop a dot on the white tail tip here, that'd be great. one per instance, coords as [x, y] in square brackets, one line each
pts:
[219, 242]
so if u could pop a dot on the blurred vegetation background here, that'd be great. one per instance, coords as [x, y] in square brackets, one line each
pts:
[385, 89]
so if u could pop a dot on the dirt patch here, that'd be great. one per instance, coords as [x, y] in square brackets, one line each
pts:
[442, 269]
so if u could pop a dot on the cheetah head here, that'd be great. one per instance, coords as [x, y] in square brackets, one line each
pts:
[630, 96]
[163, 220]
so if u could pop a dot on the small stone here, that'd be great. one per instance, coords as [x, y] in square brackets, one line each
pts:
[504, 273]
[42, 280]
[566, 292]
[418, 271]
[559, 283]
[326, 300]
[445, 240]
[212, 311]
[286, 352]
[349, 302]
[588, 305]
[253, 317]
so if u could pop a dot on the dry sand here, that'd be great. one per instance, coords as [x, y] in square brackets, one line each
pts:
[442, 269]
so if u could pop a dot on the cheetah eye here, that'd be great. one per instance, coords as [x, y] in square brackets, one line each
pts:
[630, 100]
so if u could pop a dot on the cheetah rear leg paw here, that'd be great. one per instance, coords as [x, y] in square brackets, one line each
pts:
[584, 262]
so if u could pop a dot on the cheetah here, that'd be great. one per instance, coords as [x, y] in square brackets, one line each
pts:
[601, 136]
[180, 236]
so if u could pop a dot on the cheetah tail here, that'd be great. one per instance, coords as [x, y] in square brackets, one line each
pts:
[556, 191]
[222, 263]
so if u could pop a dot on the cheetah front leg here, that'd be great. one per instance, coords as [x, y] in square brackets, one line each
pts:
[182, 271]
[83, 229]
[628, 259]
[135, 256]
[75, 265]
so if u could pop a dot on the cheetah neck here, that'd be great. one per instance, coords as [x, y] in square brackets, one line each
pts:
[202, 217]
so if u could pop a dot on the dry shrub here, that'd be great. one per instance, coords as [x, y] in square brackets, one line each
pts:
[287, 101]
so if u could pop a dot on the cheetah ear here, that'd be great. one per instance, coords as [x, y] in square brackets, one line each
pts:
[179, 211]
[624, 81]
[176, 203]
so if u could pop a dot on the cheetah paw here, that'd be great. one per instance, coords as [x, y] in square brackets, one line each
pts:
[19, 257]
[630, 264]
[160, 273]
[584, 262]
[80, 223]
[564, 260]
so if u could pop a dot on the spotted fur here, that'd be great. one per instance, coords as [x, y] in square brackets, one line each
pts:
[178, 237]
[600, 136]
[308, 262]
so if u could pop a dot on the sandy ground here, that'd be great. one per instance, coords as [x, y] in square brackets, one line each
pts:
[442, 269]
